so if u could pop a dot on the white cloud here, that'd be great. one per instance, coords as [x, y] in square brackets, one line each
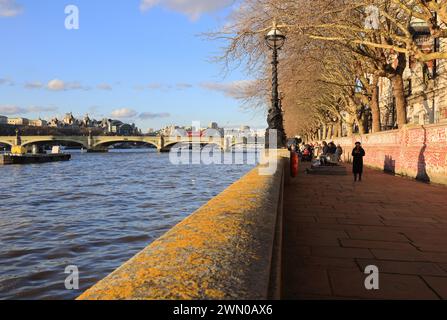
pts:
[9, 8]
[104, 86]
[155, 86]
[236, 89]
[9, 110]
[34, 85]
[150, 115]
[164, 87]
[183, 86]
[56, 85]
[192, 8]
[74, 86]
[124, 113]
[38, 109]
[6, 81]
[60, 85]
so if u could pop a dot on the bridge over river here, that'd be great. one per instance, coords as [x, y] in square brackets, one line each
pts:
[100, 143]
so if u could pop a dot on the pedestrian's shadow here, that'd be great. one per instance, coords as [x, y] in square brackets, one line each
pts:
[422, 174]
[389, 165]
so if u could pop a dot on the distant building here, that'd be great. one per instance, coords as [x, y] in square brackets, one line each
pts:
[425, 84]
[54, 123]
[18, 121]
[215, 129]
[243, 131]
[37, 123]
[196, 128]
[214, 125]
[70, 120]
[169, 131]
[3, 120]
[87, 122]
[119, 128]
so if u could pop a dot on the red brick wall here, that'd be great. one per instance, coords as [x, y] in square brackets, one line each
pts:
[415, 151]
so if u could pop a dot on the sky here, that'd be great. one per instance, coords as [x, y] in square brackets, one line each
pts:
[141, 61]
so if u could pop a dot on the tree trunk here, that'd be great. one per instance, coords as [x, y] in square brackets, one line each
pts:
[360, 123]
[401, 101]
[375, 109]
[340, 128]
[399, 90]
[366, 117]
[349, 128]
[335, 126]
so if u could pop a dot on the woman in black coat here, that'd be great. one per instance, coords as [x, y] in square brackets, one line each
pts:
[357, 154]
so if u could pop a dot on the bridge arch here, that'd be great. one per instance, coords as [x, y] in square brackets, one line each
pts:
[6, 142]
[38, 140]
[170, 144]
[109, 141]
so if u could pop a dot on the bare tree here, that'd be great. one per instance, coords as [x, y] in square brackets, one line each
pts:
[335, 54]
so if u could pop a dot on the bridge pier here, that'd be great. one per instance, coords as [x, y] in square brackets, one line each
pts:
[227, 144]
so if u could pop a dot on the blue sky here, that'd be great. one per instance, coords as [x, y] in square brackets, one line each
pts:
[142, 61]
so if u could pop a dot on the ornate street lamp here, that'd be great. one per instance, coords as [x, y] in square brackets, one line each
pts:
[275, 39]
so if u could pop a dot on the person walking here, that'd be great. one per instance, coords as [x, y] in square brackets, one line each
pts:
[357, 168]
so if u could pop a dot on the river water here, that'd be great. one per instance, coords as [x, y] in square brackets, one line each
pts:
[94, 212]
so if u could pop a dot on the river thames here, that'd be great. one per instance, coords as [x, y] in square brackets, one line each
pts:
[95, 212]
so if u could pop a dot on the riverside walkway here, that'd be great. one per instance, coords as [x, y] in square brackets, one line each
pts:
[334, 228]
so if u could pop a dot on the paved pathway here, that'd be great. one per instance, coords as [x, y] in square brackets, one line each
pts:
[335, 228]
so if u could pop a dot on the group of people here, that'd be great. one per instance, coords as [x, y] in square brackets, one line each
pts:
[332, 153]
[329, 153]
[307, 152]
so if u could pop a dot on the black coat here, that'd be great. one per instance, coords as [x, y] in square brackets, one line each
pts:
[357, 156]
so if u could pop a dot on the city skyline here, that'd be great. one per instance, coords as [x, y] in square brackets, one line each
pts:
[110, 68]
[69, 119]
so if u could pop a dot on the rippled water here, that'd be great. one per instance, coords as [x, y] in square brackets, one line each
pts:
[95, 212]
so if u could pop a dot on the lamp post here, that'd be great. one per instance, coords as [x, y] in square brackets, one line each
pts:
[281, 99]
[275, 39]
